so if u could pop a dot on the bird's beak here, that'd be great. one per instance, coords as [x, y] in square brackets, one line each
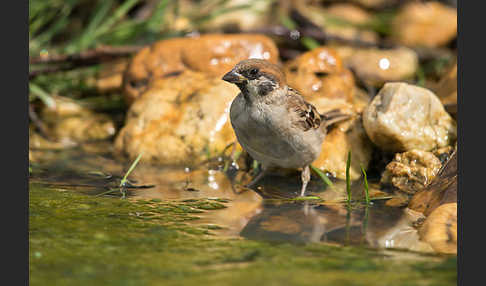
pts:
[234, 77]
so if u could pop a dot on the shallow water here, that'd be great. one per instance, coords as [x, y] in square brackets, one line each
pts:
[207, 205]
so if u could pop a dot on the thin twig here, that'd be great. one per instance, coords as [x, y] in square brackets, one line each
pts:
[86, 58]
[99, 54]
[38, 123]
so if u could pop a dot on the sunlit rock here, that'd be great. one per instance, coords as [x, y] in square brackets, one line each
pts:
[181, 120]
[430, 24]
[403, 117]
[411, 171]
[377, 66]
[320, 73]
[213, 54]
[345, 137]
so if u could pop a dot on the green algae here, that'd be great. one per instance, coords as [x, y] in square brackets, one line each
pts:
[84, 240]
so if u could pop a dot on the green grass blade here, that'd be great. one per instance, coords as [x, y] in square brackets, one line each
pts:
[367, 194]
[117, 15]
[154, 22]
[42, 95]
[348, 178]
[309, 43]
[322, 176]
[134, 164]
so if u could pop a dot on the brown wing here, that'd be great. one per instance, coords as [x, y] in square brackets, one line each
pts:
[305, 114]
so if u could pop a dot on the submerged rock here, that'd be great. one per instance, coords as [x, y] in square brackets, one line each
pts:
[377, 66]
[182, 120]
[429, 24]
[320, 73]
[213, 54]
[411, 171]
[403, 117]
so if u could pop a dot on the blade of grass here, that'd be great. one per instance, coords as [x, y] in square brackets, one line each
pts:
[154, 22]
[366, 189]
[322, 176]
[134, 164]
[348, 178]
[117, 15]
[309, 43]
[89, 34]
[42, 95]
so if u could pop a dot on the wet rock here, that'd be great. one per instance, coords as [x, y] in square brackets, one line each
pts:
[345, 137]
[213, 54]
[320, 73]
[181, 120]
[403, 117]
[376, 66]
[442, 189]
[429, 24]
[335, 24]
[71, 123]
[440, 229]
[411, 171]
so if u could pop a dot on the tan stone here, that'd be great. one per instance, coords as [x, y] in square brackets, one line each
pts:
[214, 54]
[376, 66]
[429, 24]
[403, 117]
[347, 136]
[179, 120]
[320, 73]
[411, 171]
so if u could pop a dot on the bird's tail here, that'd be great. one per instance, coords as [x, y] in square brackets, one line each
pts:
[332, 117]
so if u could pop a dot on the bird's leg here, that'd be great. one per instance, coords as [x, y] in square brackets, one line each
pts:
[305, 176]
[262, 173]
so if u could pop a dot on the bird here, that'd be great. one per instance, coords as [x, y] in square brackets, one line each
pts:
[273, 122]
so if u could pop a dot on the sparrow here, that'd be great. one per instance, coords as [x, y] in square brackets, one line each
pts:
[273, 122]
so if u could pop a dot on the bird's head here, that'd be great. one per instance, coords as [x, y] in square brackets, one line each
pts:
[256, 78]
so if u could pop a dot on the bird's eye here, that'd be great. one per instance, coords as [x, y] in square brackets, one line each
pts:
[253, 71]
